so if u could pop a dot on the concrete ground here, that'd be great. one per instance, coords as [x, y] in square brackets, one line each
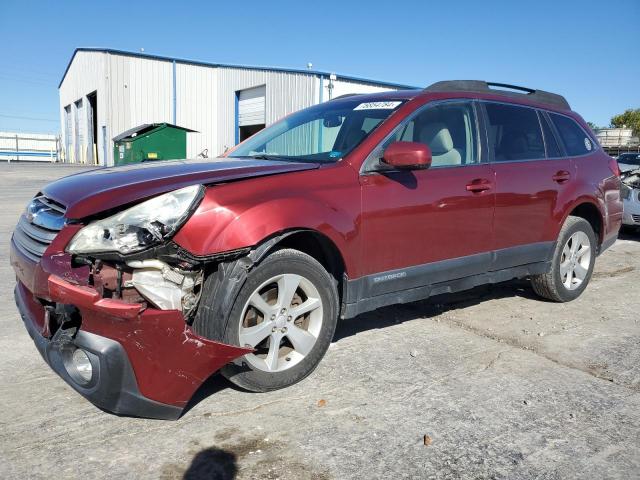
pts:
[503, 384]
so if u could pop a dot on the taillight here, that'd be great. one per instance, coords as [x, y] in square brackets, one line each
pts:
[613, 165]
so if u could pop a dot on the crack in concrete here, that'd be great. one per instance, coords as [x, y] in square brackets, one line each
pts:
[494, 361]
[515, 344]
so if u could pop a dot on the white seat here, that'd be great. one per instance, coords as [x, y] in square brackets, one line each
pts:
[438, 138]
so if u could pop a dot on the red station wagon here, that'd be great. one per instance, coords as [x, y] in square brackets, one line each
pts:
[138, 283]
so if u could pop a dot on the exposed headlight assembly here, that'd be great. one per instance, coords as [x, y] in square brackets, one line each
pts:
[138, 227]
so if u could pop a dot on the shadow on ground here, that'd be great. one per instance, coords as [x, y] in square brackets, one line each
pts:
[629, 233]
[433, 306]
[212, 464]
[214, 384]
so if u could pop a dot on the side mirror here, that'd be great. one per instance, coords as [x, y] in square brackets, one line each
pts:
[407, 155]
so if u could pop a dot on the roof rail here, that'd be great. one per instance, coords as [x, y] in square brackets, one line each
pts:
[480, 86]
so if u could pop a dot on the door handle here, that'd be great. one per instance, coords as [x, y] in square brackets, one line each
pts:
[561, 176]
[479, 185]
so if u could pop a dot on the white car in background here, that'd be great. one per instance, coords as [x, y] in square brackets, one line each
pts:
[630, 192]
[628, 161]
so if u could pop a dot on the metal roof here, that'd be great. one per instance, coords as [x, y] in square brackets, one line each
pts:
[228, 65]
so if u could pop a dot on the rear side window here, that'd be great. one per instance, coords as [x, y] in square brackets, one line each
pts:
[514, 133]
[575, 140]
[553, 150]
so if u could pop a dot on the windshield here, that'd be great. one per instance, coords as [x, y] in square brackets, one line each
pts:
[323, 133]
[629, 159]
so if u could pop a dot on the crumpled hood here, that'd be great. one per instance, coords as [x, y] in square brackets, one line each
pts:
[95, 191]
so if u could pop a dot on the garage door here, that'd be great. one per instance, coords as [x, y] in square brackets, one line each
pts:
[251, 106]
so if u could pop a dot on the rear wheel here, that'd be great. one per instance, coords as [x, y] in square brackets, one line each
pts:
[287, 311]
[572, 264]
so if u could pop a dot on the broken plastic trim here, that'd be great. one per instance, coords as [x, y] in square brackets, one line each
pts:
[169, 252]
[166, 286]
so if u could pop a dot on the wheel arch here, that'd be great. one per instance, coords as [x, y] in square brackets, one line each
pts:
[592, 213]
[316, 245]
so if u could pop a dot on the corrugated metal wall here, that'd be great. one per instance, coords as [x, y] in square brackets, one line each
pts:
[285, 93]
[343, 87]
[141, 91]
[86, 75]
[132, 91]
[196, 94]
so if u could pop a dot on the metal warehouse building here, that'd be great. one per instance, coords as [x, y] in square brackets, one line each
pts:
[105, 92]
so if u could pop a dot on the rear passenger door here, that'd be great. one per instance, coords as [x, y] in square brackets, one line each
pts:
[532, 177]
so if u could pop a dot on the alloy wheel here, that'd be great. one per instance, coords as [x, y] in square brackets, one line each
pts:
[575, 260]
[281, 320]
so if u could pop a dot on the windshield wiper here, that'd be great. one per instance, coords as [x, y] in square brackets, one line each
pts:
[284, 158]
[264, 156]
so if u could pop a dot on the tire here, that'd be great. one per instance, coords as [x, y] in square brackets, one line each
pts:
[303, 339]
[556, 284]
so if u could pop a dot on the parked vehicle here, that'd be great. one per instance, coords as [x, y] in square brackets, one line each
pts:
[630, 191]
[628, 161]
[138, 282]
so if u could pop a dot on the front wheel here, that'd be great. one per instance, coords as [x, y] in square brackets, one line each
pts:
[572, 264]
[287, 311]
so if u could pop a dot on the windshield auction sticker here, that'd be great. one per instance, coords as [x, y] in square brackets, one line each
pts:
[377, 106]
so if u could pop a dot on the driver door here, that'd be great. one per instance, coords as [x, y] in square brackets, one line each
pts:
[434, 225]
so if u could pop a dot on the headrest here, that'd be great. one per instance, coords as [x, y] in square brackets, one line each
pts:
[437, 136]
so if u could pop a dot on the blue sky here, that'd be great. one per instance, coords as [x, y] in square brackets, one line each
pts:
[586, 50]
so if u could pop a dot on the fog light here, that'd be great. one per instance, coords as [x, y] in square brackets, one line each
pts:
[82, 364]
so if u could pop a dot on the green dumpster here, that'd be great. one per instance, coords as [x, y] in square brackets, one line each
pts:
[153, 141]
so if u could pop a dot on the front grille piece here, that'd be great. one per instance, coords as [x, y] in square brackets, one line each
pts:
[38, 226]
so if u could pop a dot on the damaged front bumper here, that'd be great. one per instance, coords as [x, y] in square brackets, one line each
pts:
[145, 362]
[113, 385]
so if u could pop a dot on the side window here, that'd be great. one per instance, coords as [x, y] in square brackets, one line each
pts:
[575, 140]
[449, 131]
[514, 133]
[553, 150]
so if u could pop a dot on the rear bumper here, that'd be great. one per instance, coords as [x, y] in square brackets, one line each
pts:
[148, 362]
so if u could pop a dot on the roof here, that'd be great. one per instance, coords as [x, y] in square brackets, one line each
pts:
[316, 73]
[145, 128]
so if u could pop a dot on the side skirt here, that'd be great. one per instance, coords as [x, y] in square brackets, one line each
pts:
[421, 282]
[350, 310]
